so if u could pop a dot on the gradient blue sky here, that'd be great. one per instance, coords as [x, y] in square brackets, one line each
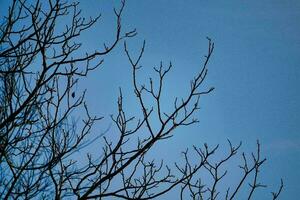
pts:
[255, 70]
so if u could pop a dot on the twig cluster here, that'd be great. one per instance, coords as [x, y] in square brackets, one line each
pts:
[40, 64]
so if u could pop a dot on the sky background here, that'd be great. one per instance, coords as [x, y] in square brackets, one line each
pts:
[254, 68]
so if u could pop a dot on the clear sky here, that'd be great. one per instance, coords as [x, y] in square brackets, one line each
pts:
[255, 70]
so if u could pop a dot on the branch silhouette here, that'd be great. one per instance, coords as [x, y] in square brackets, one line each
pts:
[41, 62]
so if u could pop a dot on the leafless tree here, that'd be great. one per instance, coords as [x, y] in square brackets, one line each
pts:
[39, 67]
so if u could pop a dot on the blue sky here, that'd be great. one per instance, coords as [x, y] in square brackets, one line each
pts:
[254, 68]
